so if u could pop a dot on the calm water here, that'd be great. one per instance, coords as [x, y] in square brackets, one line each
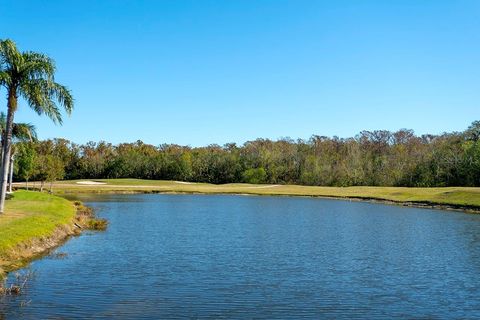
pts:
[198, 256]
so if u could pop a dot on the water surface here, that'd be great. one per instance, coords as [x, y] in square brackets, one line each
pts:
[219, 256]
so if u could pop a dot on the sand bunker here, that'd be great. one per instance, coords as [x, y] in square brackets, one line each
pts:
[90, 182]
[263, 187]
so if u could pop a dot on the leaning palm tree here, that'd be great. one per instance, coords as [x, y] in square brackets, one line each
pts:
[31, 76]
[22, 132]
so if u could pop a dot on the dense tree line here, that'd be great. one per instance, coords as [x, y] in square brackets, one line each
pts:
[374, 158]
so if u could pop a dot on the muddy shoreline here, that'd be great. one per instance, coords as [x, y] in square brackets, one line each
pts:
[24, 253]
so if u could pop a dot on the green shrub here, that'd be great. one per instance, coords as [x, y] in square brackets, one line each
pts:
[258, 175]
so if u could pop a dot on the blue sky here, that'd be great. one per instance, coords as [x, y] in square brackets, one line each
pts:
[200, 72]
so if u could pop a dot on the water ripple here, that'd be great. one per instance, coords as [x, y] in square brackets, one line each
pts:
[232, 257]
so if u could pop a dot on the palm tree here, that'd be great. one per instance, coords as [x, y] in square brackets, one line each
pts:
[31, 76]
[22, 132]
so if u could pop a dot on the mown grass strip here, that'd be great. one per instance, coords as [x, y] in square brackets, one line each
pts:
[450, 196]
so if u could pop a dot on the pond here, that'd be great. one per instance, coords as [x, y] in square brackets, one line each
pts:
[225, 256]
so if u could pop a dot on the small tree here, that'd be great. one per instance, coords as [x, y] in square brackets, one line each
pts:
[48, 168]
[26, 161]
[56, 170]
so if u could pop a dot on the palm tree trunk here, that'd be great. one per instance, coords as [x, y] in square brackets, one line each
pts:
[10, 175]
[12, 106]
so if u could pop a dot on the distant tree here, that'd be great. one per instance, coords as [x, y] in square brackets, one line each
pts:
[26, 161]
[473, 131]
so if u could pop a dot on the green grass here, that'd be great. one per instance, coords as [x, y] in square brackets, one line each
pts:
[31, 215]
[453, 196]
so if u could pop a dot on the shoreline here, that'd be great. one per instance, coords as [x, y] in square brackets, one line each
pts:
[470, 209]
[34, 245]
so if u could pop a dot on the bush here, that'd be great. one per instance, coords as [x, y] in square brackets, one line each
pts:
[256, 176]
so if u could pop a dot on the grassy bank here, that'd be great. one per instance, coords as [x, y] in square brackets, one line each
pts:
[33, 222]
[451, 197]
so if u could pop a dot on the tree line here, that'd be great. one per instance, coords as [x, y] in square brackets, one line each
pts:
[371, 158]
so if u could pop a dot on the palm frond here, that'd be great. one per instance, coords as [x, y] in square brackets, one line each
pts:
[37, 65]
[37, 95]
[5, 79]
[63, 95]
[10, 56]
[31, 75]
[24, 132]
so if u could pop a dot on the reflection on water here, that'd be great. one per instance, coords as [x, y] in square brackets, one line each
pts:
[206, 256]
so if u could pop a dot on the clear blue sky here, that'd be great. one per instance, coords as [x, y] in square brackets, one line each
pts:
[200, 72]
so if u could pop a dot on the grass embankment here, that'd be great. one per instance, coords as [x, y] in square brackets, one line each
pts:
[34, 222]
[452, 197]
